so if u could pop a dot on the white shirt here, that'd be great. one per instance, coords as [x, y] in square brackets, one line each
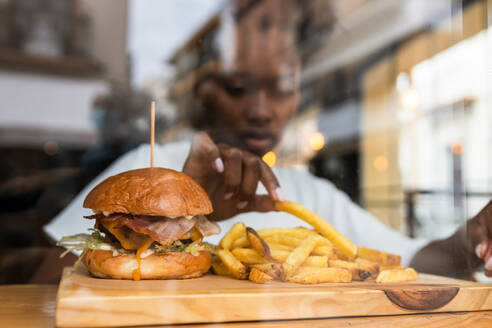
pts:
[317, 194]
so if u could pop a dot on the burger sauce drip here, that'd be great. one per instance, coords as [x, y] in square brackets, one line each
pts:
[136, 273]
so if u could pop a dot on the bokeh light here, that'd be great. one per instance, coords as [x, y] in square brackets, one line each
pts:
[381, 163]
[457, 148]
[51, 148]
[317, 141]
[270, 158]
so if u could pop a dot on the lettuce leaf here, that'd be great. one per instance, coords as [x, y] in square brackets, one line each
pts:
[84, 241]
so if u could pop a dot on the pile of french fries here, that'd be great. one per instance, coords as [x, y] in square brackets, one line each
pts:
[301, 255]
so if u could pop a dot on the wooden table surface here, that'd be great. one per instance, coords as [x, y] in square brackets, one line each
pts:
[35, 305]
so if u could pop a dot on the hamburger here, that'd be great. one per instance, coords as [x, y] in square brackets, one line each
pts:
[148, 224]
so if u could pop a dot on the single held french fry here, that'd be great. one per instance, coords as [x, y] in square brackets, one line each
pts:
[397, 275]
[258, 276]
[258, 244]
[308, 275]
[234, 233]
[358, 273]
[378, 256]
[237, 269]
[323, 227]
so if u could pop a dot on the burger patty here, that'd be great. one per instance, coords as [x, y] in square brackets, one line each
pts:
[162, 229]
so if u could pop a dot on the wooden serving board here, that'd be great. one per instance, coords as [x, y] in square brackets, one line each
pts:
[83, 301]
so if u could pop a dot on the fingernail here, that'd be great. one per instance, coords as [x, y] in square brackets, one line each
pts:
[279, 193]
[242, 205]
[488, 265]
[219, 165]
[478, 250]
[228, 195]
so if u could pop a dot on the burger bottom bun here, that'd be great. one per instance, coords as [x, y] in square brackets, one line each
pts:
[176, 265]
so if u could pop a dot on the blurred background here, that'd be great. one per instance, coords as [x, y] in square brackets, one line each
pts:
[394, 102]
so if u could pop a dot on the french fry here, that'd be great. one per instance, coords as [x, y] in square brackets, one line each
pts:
[299, 255]
[220, 269]
[303, 255]
[258, 276]
[307, 275]
[274, 270]
[251, 256]
[234, 233]
[237, 269]
[325, 247]
[316, 261]
[258, 244]
[358, 273]
[324, 250]
[378, 256]
[248, 256]
[298, 232]
[370, 266]
[280, 247]
[323, 227]
[241, 242]
[397, 275]
[293, 240]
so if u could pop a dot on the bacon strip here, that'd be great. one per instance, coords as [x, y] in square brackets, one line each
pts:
[165, 231]
[206, 227]
[160, 228]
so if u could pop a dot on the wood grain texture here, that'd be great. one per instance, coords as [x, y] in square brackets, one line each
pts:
[34, 306]
[436, 320]
[26, 306]
[85, 301]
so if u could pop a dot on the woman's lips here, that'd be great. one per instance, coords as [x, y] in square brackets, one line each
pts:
[258, 143]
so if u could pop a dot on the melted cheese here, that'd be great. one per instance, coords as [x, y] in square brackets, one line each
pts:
[136, 274]
[120, 235]
[194, 234]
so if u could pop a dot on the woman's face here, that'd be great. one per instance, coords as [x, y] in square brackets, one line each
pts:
[257, 92]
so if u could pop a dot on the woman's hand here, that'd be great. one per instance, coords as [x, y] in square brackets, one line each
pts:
[230, 177]
[479, 230]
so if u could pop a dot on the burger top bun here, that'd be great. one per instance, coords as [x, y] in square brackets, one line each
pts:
[150, 191]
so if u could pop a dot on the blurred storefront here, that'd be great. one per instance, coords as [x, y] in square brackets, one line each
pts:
[394, 107]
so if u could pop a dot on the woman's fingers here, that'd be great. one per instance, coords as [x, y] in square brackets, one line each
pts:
[259, 203]
[269, 180]
[204, 156]
[233, 169]
[251, 177]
